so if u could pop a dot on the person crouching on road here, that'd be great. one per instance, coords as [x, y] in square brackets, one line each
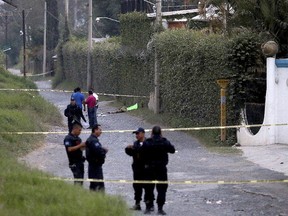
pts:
[155, 155]
[74, 146]
[95, 155]
[137, 166]
[91, 108]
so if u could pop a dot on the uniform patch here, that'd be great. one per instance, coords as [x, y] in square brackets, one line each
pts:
[67, 143]
[97, 144]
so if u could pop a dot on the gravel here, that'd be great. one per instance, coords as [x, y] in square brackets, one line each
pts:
[191, 162]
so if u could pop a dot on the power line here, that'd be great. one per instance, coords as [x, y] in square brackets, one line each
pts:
[10, 3]
[54, 17]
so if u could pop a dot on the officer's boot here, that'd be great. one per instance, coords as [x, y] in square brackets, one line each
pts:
[149, 207]
[160, 210]
[137, 206]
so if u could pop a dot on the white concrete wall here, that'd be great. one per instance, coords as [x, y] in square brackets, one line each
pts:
[276, 110]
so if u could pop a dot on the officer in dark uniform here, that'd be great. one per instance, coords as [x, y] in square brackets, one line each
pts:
[137, 166]
[73, 113]
[155, 155]
[74, 146]
[95, 155]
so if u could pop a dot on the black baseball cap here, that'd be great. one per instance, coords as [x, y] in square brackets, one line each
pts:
[140, 129]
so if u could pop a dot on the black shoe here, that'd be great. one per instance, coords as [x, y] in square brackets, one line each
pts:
[136, 207]
[147, 211]
[161, 212]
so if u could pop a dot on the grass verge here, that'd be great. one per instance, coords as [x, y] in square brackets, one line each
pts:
[24, 191]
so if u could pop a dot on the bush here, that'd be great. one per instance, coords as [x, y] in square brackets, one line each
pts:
[189, 74]
[248, 80]
[190, 64]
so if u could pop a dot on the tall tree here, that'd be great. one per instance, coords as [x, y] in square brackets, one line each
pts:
[266, 16]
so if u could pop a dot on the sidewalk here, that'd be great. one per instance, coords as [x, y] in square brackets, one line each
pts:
[273, 157]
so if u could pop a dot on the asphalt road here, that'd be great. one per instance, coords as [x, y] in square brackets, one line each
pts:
[191, 162]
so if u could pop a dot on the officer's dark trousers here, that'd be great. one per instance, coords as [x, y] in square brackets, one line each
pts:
[70, 126]
[156, 173]
[78, 172]
[138, 174]
[96, 172]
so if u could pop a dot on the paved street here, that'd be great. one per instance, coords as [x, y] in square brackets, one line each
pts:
[191, 162]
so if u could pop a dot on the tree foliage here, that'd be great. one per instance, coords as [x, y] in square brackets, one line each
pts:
[136, 30]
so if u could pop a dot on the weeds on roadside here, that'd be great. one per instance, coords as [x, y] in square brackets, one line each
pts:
[24, 191]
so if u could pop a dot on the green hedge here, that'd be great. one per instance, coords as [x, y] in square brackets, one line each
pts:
[190, 63]
[136, 30]
[248, 80]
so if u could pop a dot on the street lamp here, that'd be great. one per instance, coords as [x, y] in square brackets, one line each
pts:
[5, 50]
[153, 4]
[150, 2]
[99, 18]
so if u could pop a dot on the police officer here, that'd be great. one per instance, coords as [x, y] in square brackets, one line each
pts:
[155, 155]
[95, 155]
[74, 146]
[73, 113]
[137, 165]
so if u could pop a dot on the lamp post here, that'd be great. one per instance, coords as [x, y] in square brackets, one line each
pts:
[45, 40]
[5, 50]
[24, 42]
[156, 63]
[151, 3]
[89, 73]
[108, 18]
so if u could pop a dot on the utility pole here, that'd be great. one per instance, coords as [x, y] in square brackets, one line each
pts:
[156, 64]
[24, 42]
[7, 48]
[89, 76]
[66, 8]
[6, 39]
[45, 39]
[75, 14]
[226, 9]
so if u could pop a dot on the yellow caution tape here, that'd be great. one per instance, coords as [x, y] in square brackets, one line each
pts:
[65, 91]
[164, 129]
[185, 182]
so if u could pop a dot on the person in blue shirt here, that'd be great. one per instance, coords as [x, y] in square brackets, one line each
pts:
[79, 98]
